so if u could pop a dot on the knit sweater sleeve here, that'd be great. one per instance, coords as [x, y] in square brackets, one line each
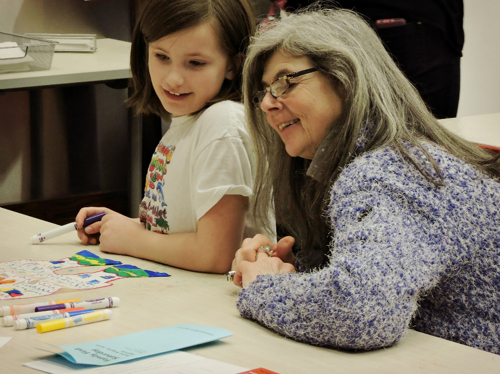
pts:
[383, 261]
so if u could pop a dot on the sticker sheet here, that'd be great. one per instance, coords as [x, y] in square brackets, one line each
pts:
[28, 278]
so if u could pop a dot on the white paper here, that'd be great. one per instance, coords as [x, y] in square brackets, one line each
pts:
[170, 363]
[4, 340]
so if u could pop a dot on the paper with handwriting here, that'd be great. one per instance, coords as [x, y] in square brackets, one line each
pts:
[176, 362]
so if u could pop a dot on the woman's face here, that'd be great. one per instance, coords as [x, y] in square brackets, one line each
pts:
[303, 115]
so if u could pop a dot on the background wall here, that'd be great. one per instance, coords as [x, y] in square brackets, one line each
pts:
[480, 85]
[480, 92]
[108, 120]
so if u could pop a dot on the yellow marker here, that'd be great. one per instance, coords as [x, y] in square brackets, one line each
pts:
[83, 319]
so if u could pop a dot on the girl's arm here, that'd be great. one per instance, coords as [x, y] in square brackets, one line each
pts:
[211, 249]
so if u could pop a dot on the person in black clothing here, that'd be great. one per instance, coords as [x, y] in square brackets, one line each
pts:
[427, 43]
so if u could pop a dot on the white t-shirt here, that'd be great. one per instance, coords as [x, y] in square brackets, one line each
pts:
[200, 159]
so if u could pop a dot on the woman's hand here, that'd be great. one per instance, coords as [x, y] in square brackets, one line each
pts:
[250, 262]
[262, 265]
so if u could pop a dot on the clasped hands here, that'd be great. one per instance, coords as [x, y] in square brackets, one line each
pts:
[250, 260]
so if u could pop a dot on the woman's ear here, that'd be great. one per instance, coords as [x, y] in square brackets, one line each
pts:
[235, 66]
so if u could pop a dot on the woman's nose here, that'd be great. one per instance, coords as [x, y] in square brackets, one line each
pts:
[269, 102]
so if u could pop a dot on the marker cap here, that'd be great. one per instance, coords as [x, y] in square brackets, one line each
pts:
[44, 308]
[93, 219]
[6, 321]
[20, 324]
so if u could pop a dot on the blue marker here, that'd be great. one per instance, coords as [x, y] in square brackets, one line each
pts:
[29, 323]
[40, 238]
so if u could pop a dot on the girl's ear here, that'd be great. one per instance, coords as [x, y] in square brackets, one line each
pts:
[235, 66]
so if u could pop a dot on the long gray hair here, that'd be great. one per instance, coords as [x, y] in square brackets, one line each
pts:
[374, 91]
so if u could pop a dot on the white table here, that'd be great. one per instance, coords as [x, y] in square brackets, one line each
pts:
[188, 297]
[482, 129]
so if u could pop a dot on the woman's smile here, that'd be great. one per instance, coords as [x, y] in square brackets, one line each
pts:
[284, 125]
[306, 112]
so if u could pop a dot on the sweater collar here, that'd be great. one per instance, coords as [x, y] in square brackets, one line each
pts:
[320, 156]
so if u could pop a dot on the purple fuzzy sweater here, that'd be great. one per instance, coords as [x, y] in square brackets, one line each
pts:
[405, 254]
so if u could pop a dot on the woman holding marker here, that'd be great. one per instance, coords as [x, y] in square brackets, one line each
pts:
[186, 65]
[396, 219]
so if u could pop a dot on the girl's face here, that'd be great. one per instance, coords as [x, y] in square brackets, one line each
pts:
[187, 69]
[304, 114]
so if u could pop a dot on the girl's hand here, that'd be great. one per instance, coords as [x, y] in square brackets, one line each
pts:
[90, 236]
[250, 248]
[120, 234]
[117, 233]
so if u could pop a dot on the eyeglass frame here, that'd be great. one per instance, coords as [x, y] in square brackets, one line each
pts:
[258, 97]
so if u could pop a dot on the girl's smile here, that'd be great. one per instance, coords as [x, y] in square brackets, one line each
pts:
[176, 96]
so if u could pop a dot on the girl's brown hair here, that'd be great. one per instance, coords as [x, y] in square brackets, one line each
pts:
[234, 23]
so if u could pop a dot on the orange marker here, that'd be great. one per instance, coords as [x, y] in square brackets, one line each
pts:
[29, 308]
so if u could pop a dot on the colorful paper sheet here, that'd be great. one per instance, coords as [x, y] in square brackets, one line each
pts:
[28, 278]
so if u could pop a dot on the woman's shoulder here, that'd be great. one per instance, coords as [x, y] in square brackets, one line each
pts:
[387, 167]
[388, 160]
[378, 164]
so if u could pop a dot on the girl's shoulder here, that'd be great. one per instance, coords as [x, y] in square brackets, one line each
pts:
[224, 111]
[223, 119]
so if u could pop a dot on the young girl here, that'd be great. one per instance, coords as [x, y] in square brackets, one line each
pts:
[186, 63]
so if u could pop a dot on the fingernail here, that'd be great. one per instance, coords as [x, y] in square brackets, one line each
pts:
[88, 229]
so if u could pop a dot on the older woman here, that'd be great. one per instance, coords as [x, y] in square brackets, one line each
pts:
[395, 220]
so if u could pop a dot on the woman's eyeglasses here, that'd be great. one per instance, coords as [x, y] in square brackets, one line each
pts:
[279, 86]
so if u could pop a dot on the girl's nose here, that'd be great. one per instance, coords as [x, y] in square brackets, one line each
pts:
[174, 77]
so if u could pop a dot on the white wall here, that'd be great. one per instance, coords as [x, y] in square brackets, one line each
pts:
[106, 18]
[480, 84]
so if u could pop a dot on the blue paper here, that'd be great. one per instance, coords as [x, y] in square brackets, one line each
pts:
[141, 344]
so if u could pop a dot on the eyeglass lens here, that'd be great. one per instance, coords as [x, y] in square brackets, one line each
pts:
[277, 88]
